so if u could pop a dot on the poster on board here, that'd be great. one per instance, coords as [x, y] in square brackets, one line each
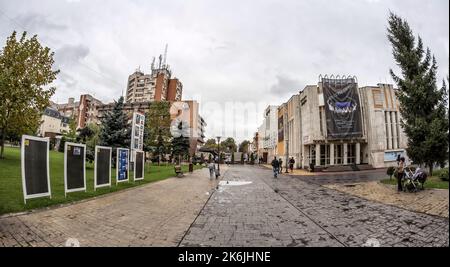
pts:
[139, 165]
[137, 133]
[102, 169]
[123, 164]
[74, 167]
[35, 167]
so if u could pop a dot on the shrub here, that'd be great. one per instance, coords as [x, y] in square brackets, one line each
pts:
[390, 172]
[444, 174]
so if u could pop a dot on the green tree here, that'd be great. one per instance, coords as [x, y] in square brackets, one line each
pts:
[180, 145]
[228, 145]
[90, 135]
[157, 134]
[115, 130]
[243, 147]
[423, 105]
[211, 144]
[25, 74]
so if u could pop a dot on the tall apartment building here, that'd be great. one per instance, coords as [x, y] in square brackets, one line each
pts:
[157, 86]
[84, 111]
[188, 111]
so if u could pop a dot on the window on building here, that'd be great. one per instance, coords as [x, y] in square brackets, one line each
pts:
[351, 153]
[325, 155]
[393, 130]
[338, 152]
[387, 129]
[397, 124]
[377, 99]
[321, 120]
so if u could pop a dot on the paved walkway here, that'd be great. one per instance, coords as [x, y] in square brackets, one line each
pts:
[253, 209]
[156, 214]
[305, 214]
[430, 201]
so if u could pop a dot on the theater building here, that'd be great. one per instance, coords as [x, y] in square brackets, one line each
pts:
[343, 127]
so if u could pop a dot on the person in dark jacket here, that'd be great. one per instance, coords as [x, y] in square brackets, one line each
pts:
[276, 167]
[291, 164]
[400, 174]
[280, 161]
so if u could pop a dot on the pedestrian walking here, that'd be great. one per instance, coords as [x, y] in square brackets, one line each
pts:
[280, 161]
[212, 169]
[275, 167]
[291, 164]
[400, 174]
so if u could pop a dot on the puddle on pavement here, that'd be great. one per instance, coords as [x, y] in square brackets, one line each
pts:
[234, 183]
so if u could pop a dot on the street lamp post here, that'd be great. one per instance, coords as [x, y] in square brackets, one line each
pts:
[218, 154]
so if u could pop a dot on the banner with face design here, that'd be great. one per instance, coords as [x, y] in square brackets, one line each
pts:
[342, 108]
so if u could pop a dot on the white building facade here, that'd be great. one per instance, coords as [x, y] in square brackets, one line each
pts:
[310, 128]
[268, 134]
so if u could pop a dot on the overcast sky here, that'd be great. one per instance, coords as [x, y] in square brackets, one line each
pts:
[243, 53]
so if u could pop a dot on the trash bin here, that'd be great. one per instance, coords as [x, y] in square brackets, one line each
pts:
[191, 167]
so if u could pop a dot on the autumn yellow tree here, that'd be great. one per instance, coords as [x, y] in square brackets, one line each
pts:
[25, 75]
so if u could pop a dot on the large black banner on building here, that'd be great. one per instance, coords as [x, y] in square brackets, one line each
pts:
[342, 108]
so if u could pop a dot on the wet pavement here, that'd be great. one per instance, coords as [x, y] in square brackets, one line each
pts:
[291, 212]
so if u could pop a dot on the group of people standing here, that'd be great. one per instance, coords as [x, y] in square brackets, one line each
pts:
[277, 165]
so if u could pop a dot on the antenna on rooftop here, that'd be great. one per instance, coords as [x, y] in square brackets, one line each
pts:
[165, 55]
[153, 63]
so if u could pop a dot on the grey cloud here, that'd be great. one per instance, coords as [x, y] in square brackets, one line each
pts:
[285, 85]
[260, 52]
[34, 21]
[71, 54]
[67, 80]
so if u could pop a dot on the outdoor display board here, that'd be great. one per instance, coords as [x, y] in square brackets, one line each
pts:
[342, 108]
[392, 155]
[35, 167]
[122, 168]
[74, 167]
[137, 132]
[139, 165]
[102, 172]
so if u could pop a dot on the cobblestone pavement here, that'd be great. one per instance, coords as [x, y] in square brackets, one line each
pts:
[342, 178]
[305, 214]
[157, 214]
[430, 201]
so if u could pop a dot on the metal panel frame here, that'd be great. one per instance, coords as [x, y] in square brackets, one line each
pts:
[24, 184]
[66, 190]
[95, 167]
[117, 166]
[143, 166]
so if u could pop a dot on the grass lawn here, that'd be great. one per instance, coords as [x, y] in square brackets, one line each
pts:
[432, 182]
[11, 195]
